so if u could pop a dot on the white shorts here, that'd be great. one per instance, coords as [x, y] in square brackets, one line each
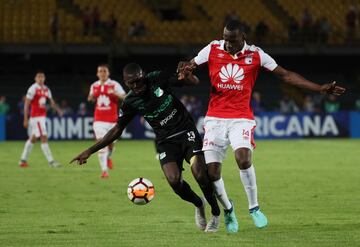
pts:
[220, 132]
[37, 127]
[101, 128]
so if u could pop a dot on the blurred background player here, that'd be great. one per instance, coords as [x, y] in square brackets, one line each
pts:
[233, 69]
[36, 97]
[106, 94]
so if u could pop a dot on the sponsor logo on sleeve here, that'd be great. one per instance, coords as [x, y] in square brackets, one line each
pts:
[162, 155]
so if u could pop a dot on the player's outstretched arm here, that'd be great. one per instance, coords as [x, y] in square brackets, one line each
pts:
[297, 80]
[109, 138]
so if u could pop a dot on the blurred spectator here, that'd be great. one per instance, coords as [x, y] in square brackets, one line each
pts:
[95, 18]
[192, 104]
[82, 111]
[306, 19]
[4, 107]
[185, 100]
[111, 26]
[21, 105]
[141, 28]
[309, 104]
[357, 104]
[331, 104]
[137, 29]
[256, 103]
[323, 30]
[195, 106]
[293, 30]
[54, 27]
[86, 21]
[132, 29]
[112, 23]
[351, 19]
[261, 31]
[287, 105]
[307, 25]
[318, 100]
[65, 108]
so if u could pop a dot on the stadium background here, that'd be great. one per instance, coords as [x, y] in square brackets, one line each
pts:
[68, 39]
[307, 187]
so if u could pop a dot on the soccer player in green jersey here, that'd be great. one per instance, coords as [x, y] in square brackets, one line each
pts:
[177, 138]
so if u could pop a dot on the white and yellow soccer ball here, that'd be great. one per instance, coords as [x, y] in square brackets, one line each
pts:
[140, 191]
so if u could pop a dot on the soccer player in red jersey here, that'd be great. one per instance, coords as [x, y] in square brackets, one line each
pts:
[36, 98]
[233, 69]
[106, 93]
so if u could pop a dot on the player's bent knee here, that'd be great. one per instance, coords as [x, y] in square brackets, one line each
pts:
[43, 139]
[172, 173]
[243, 158]
[243, 162]
[33, 139]
[173, 180]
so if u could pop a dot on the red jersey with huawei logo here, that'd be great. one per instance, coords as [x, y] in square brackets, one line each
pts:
[38, 95]
[106, 109]
[232, 78]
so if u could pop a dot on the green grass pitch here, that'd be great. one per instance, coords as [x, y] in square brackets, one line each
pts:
[309, 189]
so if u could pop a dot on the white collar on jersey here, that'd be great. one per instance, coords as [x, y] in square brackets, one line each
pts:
[40, 86]
[108, 81]
[245, 47]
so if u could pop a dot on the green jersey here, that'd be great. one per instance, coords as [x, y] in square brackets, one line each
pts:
[161, 109]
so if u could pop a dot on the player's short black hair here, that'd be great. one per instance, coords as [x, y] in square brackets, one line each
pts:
[233, 25]
[132, 68]
[40, 71]
[105, 65]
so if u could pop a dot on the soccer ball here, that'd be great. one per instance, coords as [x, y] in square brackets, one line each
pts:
[140, 191]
